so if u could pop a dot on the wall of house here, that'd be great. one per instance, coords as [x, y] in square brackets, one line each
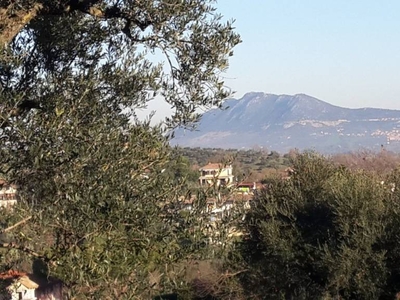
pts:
[7, 203]
[224, 172]
[8, 196]
[27, 294]
[213, 174]
[7, 190]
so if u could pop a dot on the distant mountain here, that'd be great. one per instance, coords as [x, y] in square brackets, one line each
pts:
[284, 122]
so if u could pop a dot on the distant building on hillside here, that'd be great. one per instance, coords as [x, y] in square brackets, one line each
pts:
[8, 194]
[214, 173]
[15, 285]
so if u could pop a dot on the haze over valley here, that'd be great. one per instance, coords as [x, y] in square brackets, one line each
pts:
[284, 122]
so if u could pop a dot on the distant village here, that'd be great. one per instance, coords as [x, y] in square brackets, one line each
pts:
[23, 286]
[228, 193]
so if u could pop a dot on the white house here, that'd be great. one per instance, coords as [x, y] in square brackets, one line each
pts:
[18, 286]
[218, 174]
[8, 194]
[15, 285]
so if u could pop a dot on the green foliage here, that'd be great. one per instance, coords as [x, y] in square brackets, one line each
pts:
[104, 217]
[117, 54]
[180, 169]
[326, 233]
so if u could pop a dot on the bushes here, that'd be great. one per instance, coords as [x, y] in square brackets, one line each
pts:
[326, 233]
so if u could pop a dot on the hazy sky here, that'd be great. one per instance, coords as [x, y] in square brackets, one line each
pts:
[345, 52]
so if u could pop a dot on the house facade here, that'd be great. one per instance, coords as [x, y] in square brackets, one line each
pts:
[15, 285]
[218, 174]
[8, 194]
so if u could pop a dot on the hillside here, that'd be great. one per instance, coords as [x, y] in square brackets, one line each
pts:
[284, 122]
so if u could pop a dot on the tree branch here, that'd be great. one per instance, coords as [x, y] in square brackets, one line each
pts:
[114, 12]
[24, 249]
[12, 23]
[16, 225]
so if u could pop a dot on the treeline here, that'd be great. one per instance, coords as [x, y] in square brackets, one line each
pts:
[259, 164]
[250, 164]
[330, 231]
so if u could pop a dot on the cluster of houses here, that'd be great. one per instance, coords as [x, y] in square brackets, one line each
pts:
[218, 176]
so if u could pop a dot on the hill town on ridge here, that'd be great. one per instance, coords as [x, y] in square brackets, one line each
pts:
[283, 122]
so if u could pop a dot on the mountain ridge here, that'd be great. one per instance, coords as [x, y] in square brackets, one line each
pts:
[283, 122]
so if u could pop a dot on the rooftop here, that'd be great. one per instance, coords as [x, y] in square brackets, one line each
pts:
[5, 184]
[214, 166]
[13, 276]
[30, 281]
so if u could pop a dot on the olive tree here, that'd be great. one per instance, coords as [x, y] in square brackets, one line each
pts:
[93, 209]
[327, 232]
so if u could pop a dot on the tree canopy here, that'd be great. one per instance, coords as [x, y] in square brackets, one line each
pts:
[328, 232]
[72, 75]
[133, 49]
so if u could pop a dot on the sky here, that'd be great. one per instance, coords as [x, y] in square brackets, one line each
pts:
[345, 52]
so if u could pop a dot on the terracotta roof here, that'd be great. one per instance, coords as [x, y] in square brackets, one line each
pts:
[12, 274]
[4, 183]
[213, 166]
[17, 277]
[13, 279]
[30, 281]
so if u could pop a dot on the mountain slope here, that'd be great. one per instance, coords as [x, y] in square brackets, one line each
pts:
[284, 122]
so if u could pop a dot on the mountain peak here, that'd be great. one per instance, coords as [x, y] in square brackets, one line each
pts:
[282, 122]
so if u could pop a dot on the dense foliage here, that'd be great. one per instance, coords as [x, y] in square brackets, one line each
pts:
[98, 213]
[326, 233]
[99, 190]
